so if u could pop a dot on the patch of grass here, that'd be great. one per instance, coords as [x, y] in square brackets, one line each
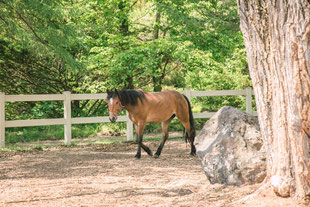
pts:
[24, 148]
[113, 129]
[33, 134]
[73, 144]
[84, 130]
[110, 141]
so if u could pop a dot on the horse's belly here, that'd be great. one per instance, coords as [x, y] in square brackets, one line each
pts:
[157, 118]
[153, 121]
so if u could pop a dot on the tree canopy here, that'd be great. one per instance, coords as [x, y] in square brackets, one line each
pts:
[89, 46]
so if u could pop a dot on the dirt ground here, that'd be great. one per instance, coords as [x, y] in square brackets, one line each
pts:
[108, 175]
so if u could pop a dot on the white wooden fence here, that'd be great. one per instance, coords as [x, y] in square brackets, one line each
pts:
[67, 121]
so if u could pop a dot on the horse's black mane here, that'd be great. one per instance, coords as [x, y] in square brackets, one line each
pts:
[128, 96]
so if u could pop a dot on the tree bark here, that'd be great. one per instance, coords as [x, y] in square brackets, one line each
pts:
[277, 40]
[157, 81]
[124, 27]
[157, 24]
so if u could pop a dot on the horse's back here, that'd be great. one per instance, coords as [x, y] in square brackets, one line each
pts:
[169, 98]
[164, 94]
[160, 106]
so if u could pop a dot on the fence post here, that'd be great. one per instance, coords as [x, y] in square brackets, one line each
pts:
[129, 128]
[67, 116]
[248, 102]
[2, 119]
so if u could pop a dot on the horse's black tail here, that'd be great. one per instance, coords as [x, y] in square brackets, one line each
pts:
[190, 137]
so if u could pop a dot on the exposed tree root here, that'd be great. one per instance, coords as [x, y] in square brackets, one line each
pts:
[261, 189]
[266, 191]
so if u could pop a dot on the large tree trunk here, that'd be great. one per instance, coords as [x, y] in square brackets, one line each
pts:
[157, 81]
[277, 39]
[124, 27]
[157, 24]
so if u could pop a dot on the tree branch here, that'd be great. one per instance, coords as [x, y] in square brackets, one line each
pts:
[29, 27]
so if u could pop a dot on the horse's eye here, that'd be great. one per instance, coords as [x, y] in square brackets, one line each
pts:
[116, 102]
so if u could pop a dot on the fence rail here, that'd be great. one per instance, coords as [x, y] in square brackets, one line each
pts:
[67, 121]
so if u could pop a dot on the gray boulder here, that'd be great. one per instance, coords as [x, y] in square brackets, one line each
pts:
[231, 149]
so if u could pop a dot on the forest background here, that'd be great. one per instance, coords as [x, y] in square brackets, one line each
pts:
[89, 46]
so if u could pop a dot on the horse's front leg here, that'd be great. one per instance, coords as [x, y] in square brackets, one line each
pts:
[139, 142]
[165, 135]
[139, 131]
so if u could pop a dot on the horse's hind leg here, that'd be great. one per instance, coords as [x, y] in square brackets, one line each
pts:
[185, 115]
[164, 127]
[190, 133]
[149, 152]
[139, 131]
[190, 136]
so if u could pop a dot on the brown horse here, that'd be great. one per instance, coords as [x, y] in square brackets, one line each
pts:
[144, 107]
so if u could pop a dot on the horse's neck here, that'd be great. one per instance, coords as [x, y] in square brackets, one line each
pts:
[134, 110]
[132, 113]
[129, 108]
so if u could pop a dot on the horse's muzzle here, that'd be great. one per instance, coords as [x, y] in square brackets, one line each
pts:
[113, 119]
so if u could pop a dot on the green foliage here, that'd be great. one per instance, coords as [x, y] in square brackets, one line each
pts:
[37, 27]
[115, 129]
[89, 46]
[32, 134]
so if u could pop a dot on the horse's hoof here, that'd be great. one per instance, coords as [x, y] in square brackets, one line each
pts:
[156, 156]
[193, 154]
[137, 157]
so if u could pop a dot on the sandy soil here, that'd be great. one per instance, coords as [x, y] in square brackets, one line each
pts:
[108, 175]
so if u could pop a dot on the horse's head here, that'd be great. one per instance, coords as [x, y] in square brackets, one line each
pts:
[114, 104]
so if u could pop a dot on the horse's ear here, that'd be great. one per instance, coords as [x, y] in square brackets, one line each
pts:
[116, 92]
[108, 91]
